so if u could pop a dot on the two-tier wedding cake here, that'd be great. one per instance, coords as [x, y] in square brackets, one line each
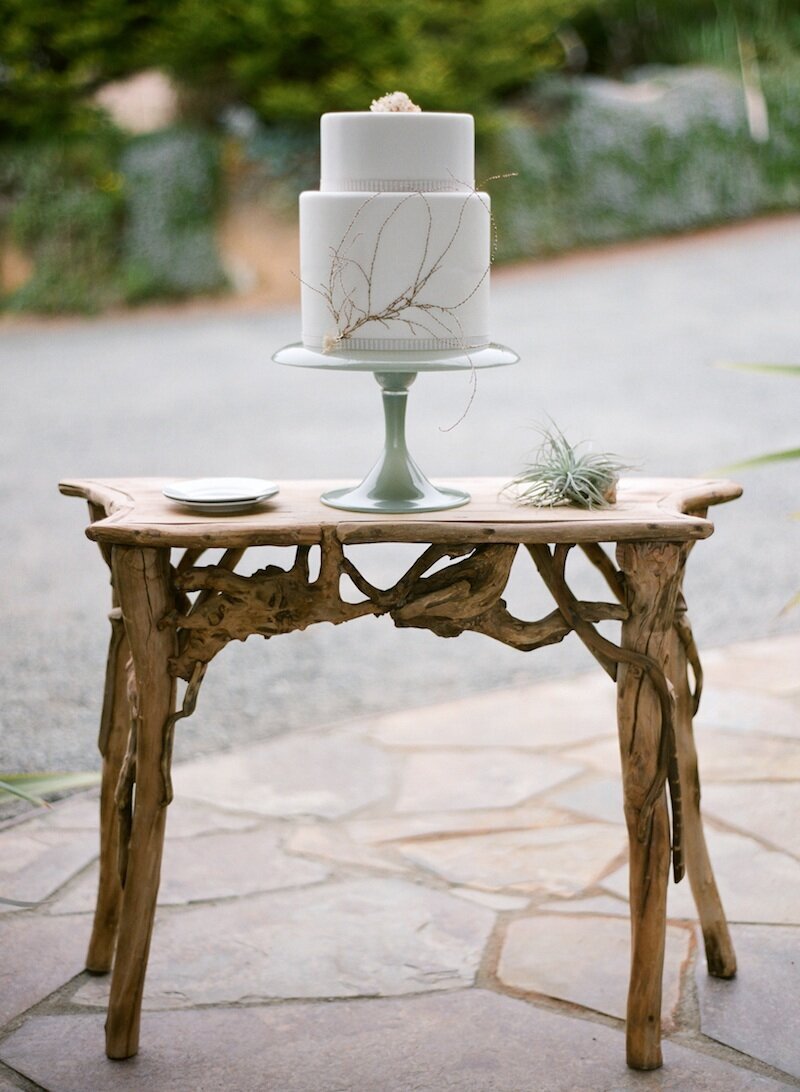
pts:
[395, 245]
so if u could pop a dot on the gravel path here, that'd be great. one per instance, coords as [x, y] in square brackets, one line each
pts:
[617, 346]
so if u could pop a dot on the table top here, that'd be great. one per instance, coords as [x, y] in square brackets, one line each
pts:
[647, 509]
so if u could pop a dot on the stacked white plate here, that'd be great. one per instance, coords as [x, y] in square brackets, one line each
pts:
[220, 496]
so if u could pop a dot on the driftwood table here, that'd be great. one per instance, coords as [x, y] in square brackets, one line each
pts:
[171, 616]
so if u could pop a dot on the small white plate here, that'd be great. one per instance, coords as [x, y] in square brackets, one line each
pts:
[220, 496]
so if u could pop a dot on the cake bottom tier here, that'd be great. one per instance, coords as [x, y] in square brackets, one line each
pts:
[395, 271]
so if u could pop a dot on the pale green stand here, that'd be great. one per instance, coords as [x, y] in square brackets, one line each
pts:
[396, 483]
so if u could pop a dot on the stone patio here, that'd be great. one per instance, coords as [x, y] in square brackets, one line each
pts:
[432, 900]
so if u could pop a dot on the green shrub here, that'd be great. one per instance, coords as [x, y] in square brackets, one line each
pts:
[64, 207]
[54, 54]
[172, 193]
[108, 219]
[283, 161]
[621, 34]
[670, 151]
[291, 60]
[780, 155]
[112, 220]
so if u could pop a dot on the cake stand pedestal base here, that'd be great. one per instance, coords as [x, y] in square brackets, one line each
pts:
[395, 483]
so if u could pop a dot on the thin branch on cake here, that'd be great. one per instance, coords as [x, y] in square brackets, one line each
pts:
[473, 390]
[378, 237]
[427, 238]
[349, 317]
[479, 186]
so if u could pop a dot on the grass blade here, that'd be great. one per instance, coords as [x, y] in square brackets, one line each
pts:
[763, 369]
[760, 460]
[33, 787]
[7, 789]
[792, 604]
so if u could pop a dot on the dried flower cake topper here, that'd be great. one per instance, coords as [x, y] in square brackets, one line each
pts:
[396, 102]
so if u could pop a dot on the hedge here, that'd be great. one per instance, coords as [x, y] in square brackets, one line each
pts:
[108, 219]
[669, 151]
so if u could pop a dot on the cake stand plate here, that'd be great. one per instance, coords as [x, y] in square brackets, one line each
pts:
[395, 484]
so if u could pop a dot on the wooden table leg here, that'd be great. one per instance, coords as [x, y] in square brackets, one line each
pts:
[720, 955]
[143, 583]
[114, 728]
[652, 573]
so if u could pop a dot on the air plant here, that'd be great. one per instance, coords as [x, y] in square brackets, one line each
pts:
[560, 475]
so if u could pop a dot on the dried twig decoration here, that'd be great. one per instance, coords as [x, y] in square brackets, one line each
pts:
[350, 279]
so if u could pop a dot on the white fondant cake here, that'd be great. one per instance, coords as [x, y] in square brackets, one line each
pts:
[395, 246]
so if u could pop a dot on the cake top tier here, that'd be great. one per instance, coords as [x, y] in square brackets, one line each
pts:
[397, 152]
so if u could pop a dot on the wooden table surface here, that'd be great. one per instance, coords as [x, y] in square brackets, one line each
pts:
[647, 509]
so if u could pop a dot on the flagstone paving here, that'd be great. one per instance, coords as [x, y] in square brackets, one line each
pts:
[433, 900]
[594, 798]
[299, 774]
[354, 938]
[764, 666]
[212, 866]
[724, 756]
[34, 863]
[468, 1041]
[751, 1016]
[527, 717]
[489, 778]
[769, 810]
[553, 861]
[757, 884]
[596, 974]
[39, 955]
[749, 711]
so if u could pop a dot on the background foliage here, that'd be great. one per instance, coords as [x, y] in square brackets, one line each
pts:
[290, 58]
[596, 164]
[53, 54]
[287, 59]
[108, 218]
[621, 34]
[171, 179]
[63, 208]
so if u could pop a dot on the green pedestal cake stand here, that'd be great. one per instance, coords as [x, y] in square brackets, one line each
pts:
[395, 483]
